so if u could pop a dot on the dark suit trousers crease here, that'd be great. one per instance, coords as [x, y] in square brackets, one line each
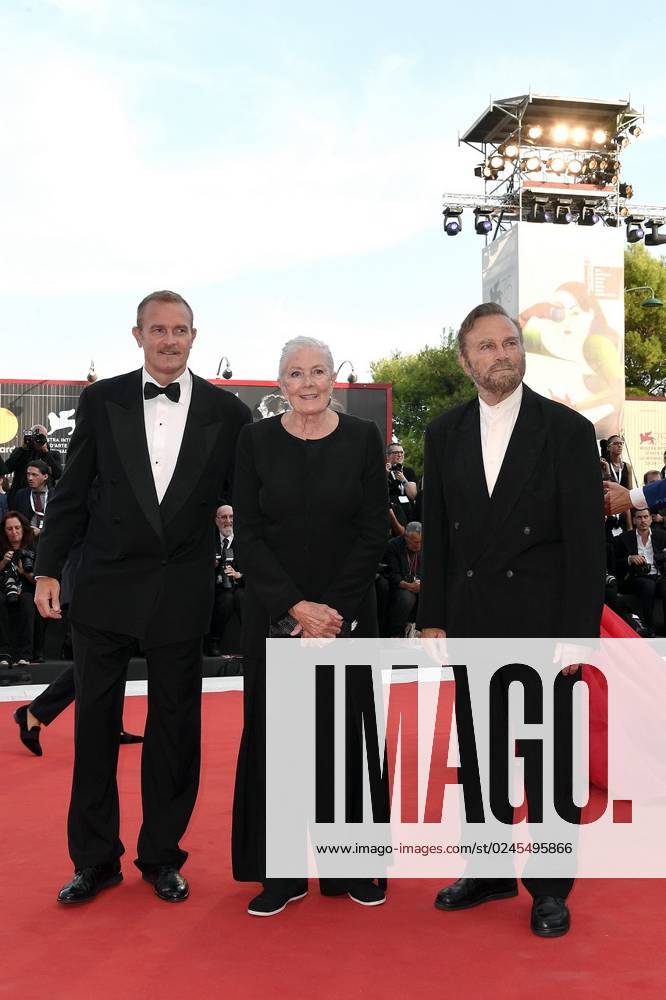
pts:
[170, 754]
[48, 705]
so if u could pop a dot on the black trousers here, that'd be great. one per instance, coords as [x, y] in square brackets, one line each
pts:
[48, 705]
[648, 589]
[402, 609]
[499, 708]
[228, 600]
[17, 621]
[170, 754]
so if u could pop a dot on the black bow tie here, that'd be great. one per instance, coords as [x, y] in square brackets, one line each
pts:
[171, 391]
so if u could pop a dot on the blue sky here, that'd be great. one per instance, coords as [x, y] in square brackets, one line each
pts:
[280, 164]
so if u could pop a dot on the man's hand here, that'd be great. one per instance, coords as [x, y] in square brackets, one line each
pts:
[616, 498]
[47, 597]
[636, 561]
[316, 620]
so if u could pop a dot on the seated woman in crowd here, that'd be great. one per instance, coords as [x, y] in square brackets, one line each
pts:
[17, 588]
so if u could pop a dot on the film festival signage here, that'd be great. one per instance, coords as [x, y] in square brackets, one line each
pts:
[477, 757]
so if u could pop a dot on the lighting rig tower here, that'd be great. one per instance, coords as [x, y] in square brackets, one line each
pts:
[552, 159]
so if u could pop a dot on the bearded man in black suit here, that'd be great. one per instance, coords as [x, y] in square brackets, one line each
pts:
[158, 443]
[509, 478]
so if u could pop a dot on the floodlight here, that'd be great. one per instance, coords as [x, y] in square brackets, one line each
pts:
[563, 214]
[560, 134]
[588, 214]
[534, 132]
[612, 220]
[496, 161]
[635, 231]
[530, 164]
[626, 190]
[578, 134]
[603, 163]
[482, 221]
[510, 150]
[623, 211]
[655, 238]
[599, 136]
[635, 130]
[540, 210]
[575, 167]
[620, 141]
[591, 164]
[452, 221]
[557, 164]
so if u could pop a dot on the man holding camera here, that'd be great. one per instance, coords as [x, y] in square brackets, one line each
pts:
[640, 556]
[401, 488]
[35, 447]
[228, 579]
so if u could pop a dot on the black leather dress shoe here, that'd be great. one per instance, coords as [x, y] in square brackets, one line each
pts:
[29, 737]
[468, 892]
[550, 916]
[275, 896]
[87, 882]
[365, 891]
[129, 737]
[168, 883]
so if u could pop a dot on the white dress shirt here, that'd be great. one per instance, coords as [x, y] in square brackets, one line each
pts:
[165, 424]
[647, 551]
[497, 423]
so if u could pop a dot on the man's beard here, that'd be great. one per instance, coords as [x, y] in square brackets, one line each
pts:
[500, 381]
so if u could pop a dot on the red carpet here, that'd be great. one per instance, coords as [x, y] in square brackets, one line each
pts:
[129, 944]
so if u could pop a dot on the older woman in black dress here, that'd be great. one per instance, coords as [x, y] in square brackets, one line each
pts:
[311, 520]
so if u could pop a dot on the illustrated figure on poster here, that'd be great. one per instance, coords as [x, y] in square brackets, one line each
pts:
[579, 354]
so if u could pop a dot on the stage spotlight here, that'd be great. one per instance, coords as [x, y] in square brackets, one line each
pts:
[588, 215]
[485, 172]
[482, 221]
[578, 134]
[603, 163]
[635, 231]
[620, 141]
[635, 130]
[575, 167]
[496, 161]
[599, 136]
[563, 214]
[540, 210]
[534, 132]
[510, 150]
[560, 134]
[613, 221]
[623, 211]
[655, 238]
[530, 164]
[452, 221]
[626, 190]
[557, 164]
[591, 164]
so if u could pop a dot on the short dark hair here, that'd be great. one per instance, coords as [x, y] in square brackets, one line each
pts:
[478, 312]
[651, 472]
[39, 464]
[164, 296]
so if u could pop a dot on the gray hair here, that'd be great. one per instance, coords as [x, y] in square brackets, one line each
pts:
[414, 527]
[485, 309]
[295, 344]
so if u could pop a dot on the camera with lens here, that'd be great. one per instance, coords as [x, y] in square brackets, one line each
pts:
[31, 438]
[396, 467]
[11, 579]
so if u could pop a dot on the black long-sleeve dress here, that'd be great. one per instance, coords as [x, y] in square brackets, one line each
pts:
[310, 523]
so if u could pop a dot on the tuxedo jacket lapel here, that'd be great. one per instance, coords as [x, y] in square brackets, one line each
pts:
[525, 445]
[129, 432]
[199, 438]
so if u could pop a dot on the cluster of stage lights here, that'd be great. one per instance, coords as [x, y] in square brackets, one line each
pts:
[600, 168]
[562, 212]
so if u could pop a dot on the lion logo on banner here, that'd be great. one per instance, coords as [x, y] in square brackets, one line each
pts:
[647, 438]
[62, 421]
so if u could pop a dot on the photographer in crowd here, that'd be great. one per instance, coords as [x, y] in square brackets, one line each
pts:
[403, 566]
[31, 501]
[17, 590]
[35, 447]
[640, 557]
[402, 488]
[229, 580]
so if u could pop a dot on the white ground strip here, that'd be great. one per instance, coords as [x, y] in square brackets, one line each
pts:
[28, 692]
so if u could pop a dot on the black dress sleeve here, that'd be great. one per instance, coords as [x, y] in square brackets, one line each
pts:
[264, 572]
[435, 550]
[357, 572]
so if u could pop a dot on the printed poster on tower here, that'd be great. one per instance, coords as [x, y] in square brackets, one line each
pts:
[565, 285]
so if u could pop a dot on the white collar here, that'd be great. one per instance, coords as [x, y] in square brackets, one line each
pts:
[508, 405]
[184, 380]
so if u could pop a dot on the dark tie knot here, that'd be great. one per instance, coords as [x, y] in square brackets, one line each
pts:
[171, 391]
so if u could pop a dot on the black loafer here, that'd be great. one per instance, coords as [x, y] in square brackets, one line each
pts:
[168, 883]
[87, 882]
[29, 737]
[362, 890]
[129, 738]
[550, 916]
[468, 892]
[276, 894]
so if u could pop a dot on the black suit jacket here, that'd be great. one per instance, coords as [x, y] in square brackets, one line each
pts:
[626, 545]
[397, 563]
[22, 501]
[146, 567]
[530, 560]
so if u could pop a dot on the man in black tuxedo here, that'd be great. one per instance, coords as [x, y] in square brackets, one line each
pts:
[159, 445]
[640, 558]
[513, 536]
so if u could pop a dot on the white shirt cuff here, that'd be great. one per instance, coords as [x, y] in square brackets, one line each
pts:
[638, 498]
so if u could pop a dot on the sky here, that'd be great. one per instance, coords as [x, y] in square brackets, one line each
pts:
[281, 164]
